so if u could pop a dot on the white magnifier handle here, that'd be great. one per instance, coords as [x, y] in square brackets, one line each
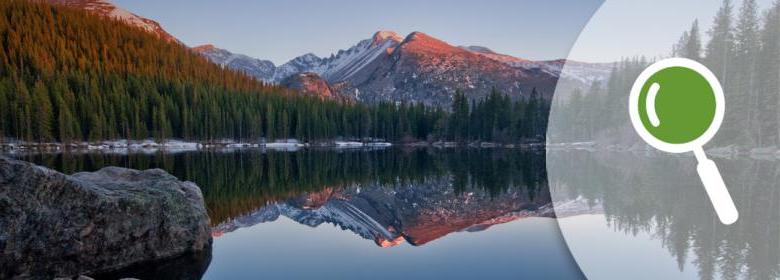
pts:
[716, 189]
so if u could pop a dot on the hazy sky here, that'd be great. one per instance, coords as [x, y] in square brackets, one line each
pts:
[280, 30]
[625, 28]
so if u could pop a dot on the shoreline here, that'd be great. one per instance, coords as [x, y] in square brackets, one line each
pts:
[13, 145]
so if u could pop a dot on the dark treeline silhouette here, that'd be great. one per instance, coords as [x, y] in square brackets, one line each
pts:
[236, 183]
[67, 76]
[498, 118]
[743, 51]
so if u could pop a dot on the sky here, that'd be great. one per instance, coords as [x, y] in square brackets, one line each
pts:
[627, 28]
[279, 30]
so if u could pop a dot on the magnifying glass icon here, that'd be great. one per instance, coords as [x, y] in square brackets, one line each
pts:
[677, 105]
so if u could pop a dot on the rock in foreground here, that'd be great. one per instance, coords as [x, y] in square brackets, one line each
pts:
[53, 224]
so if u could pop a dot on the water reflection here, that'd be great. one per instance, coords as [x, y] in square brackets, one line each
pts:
[659, 197]
[387, 197]
[236, 183]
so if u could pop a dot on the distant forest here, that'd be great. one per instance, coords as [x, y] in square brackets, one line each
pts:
[743, 51]
[69, 76]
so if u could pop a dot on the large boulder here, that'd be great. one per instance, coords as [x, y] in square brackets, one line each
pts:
[55, 225]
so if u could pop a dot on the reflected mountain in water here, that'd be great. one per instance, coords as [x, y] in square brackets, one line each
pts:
[388, 196]
[388, 214]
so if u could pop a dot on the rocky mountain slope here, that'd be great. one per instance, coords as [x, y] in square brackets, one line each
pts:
[582, 72]
[108, 9]
[257, 68]
[414, 213]
[338, 67]
[417, 68]
[310, 84]
[390, 68]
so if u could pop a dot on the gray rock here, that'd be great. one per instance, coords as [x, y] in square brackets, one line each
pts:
[55, 225]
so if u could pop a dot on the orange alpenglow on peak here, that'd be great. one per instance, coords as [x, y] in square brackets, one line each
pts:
[107, 9]
[384, 35]
[203, 48]
[421, 42]
[386, 243]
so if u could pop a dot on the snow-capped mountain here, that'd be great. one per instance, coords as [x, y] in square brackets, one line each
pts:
[417, 213]
[417, 68]
[257, 68]
[344, 64]
[424, 69]
[107, 9]
[338, 67]
[304, 63]
[583, 72]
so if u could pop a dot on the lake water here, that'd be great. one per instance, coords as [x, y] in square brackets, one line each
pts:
[357, 214]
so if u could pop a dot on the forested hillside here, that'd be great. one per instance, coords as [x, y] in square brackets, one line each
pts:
[67, 75]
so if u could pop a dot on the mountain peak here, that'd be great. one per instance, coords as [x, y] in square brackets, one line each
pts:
[421, 42]
[416, 35]
[383, 35]
[203, 48]
[307, 56]
[479, 49]
[107, 9]
[420, 37]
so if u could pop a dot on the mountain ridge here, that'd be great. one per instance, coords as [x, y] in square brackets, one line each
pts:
[386, 67]
[369, 70]
[108, 9]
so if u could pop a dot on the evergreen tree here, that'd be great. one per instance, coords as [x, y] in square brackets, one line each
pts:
[769, 77]
[747, 46]
[689, 45]
[43, 113]
[459, 120]
[720, 52]
[720, 49]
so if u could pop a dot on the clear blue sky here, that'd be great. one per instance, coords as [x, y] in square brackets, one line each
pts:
[280, 30]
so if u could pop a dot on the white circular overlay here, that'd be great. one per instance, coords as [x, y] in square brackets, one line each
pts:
[632, 207]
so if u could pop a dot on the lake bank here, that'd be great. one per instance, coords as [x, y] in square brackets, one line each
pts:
[174, 145]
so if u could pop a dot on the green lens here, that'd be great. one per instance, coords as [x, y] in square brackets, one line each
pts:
[684, 105]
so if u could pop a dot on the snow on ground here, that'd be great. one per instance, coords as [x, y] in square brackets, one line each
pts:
[177, 145]
[379, 144]
[348, 144]
[285, 145]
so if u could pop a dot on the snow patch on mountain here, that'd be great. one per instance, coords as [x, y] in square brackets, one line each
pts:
[582, 72]
[338, 67]
[259, 69]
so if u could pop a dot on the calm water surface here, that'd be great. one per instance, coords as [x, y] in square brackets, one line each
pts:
[356, 214]
[655, 221]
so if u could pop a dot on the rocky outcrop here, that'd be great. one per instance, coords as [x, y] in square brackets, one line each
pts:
[310, 84]
[55, 225]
